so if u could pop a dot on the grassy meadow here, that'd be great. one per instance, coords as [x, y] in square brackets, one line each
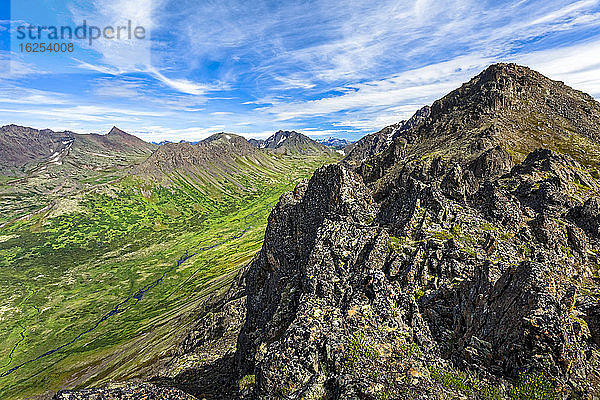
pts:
[91, 291]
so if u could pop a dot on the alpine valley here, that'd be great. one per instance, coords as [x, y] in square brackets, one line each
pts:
[454, 255]
[110, 247]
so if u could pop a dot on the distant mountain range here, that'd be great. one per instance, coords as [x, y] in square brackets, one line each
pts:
[224, 152]
[334, 143]
[169, 141]
[21, 146]
[277, 141]
[212, 156]
[285, 140]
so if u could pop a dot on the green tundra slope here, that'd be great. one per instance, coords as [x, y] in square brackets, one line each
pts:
[106, 257]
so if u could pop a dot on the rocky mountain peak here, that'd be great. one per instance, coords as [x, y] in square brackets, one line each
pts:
[290, 141]
[512, 88]
[20, 145]
[500, 72]
[118, 137]
[120, 141]
[117, 131]
[506, 105]
[229, 139]
[279, 137]
[469, 245]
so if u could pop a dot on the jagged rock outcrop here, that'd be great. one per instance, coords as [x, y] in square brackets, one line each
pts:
[452, 266]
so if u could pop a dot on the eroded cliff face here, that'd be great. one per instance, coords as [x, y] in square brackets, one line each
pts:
[444, 267]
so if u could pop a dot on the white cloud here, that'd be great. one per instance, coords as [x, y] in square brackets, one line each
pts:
[12, 66]
[366, 39]
[103, 69]
[123, 53]
[129, 55]
[117, 89]
[292, 83]
[375, 120]
[181, 85]
[374, 104]
[565, 12]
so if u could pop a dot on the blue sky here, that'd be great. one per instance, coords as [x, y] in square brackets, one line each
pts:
[326, 68]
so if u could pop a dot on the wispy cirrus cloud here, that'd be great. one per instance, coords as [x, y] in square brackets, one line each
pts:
[417, 86]
[86, 113]
[9, 94]
[181, 85]
[374, 39]
[184, 85]
[385, 101]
